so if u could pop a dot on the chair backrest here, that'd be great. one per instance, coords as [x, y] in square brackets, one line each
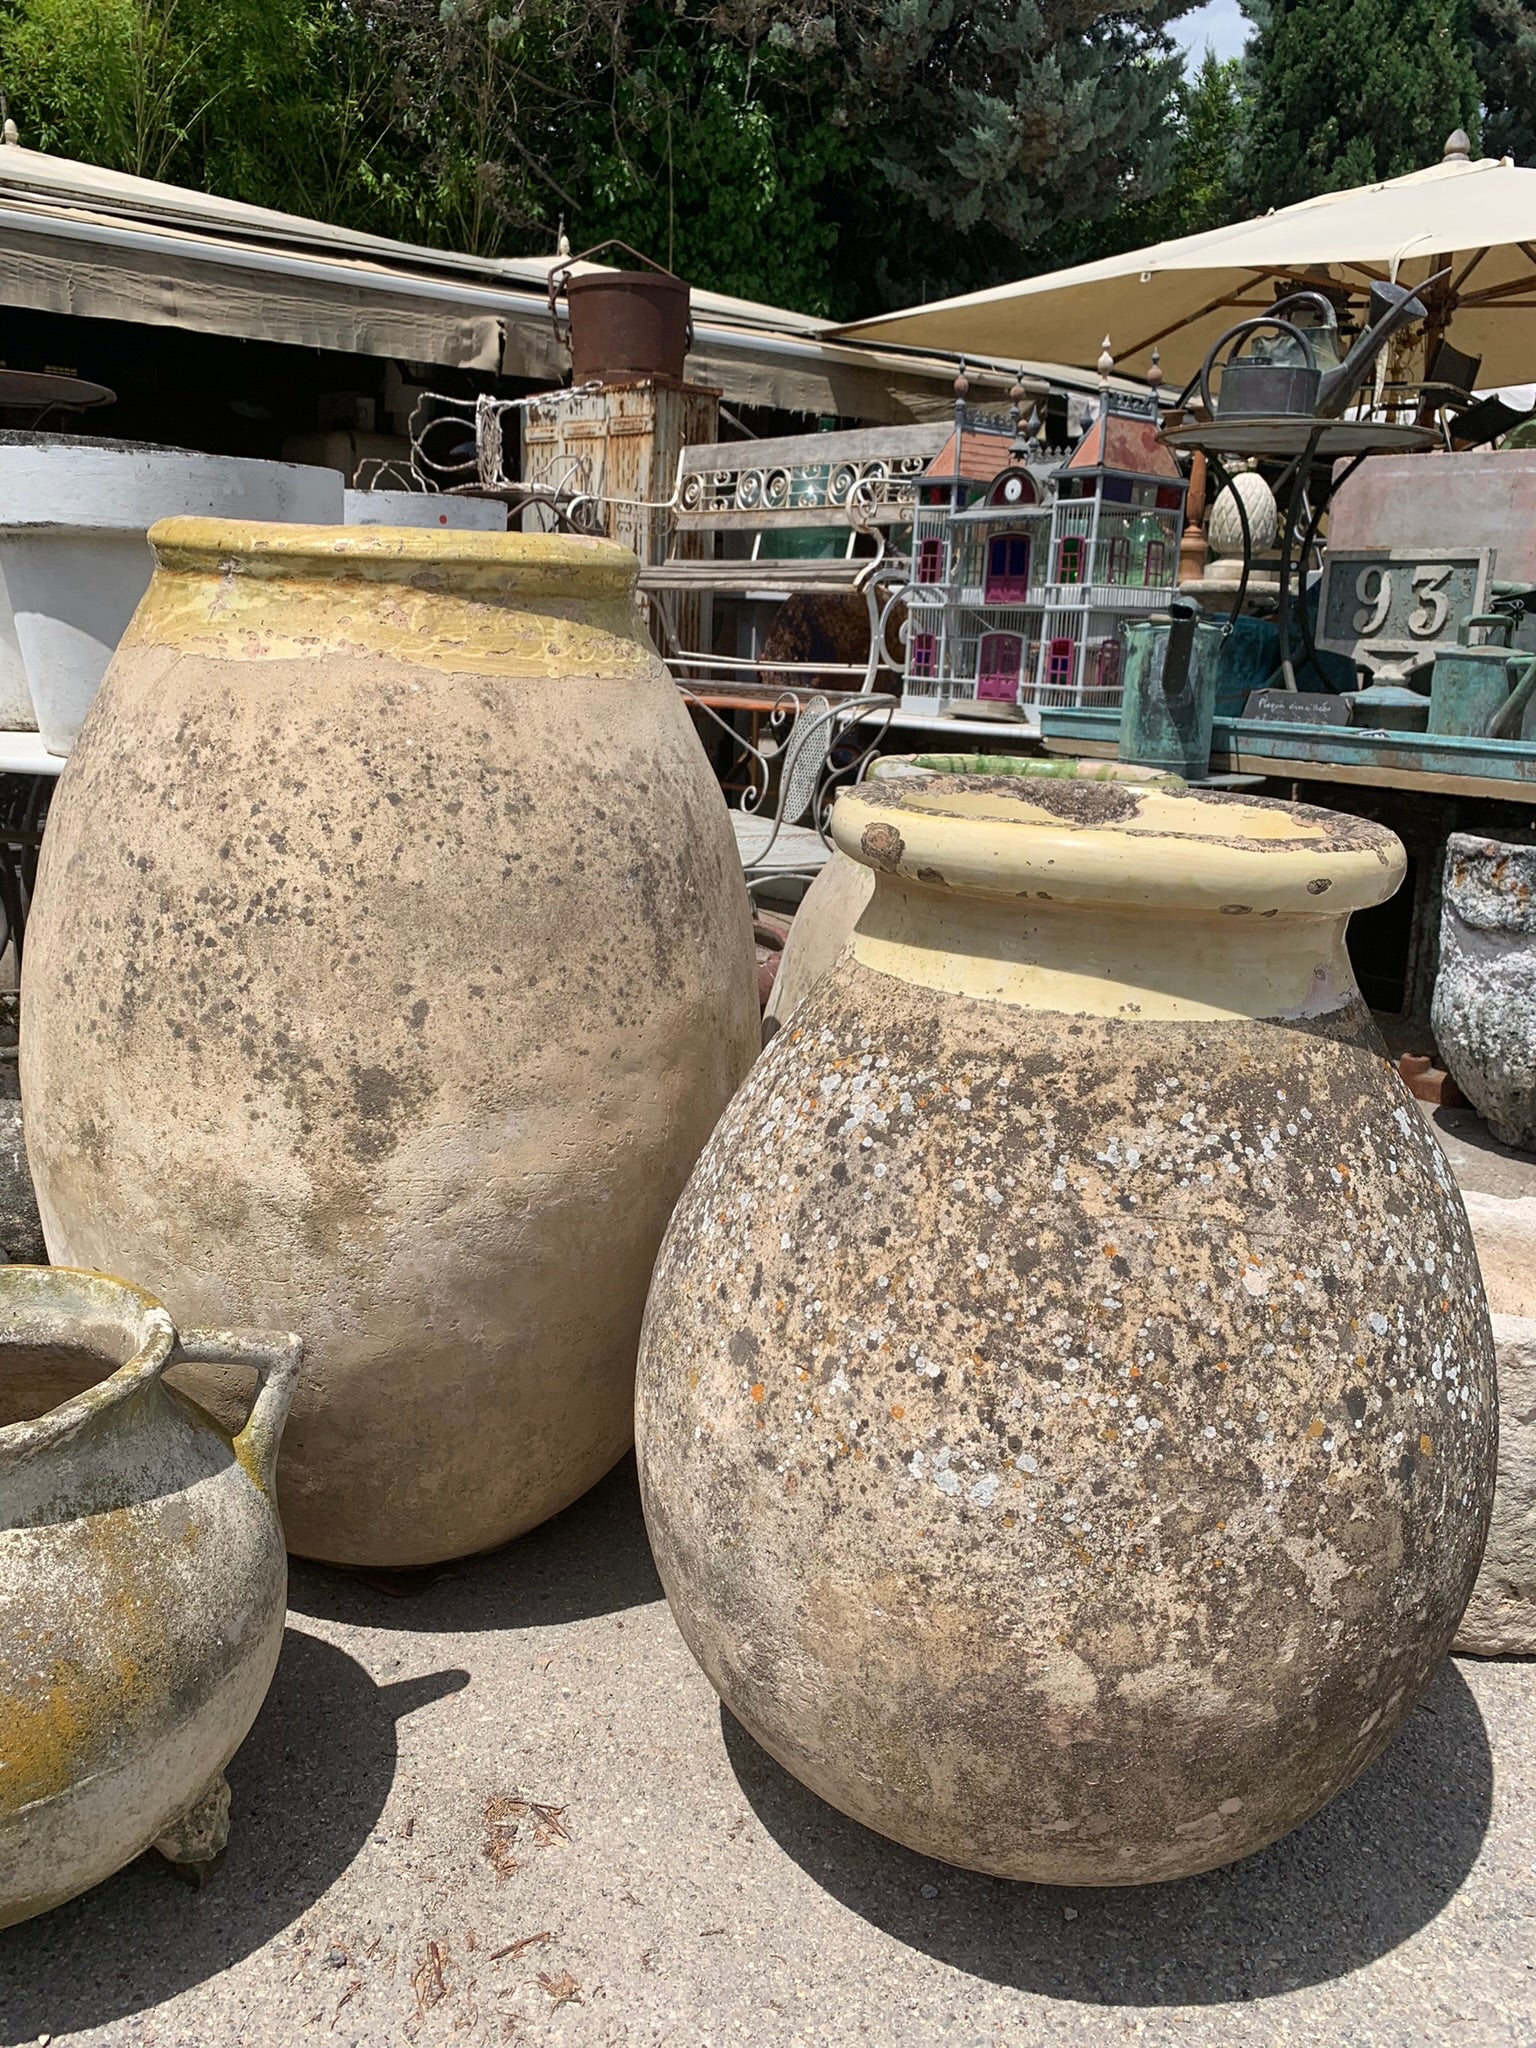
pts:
[805, 759]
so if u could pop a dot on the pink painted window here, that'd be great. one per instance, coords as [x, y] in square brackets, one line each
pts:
[1157, 562]
[1118, 560]
[925, 654]
[1058, 665]
[1107, 669]
[1007, 569]
[998, 664]
[1069, 558]
[930, 560]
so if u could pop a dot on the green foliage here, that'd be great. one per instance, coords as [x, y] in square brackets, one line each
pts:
[1504, 44]
[1347, 91]
[832, 154]
[976, 129]
[1201, 186]
[273, 101]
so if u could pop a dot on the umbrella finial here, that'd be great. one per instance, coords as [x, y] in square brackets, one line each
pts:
[1106, 361]
[1458, 148]
[1155, 374]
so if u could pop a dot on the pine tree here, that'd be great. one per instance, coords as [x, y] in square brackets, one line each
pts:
[1348, 91]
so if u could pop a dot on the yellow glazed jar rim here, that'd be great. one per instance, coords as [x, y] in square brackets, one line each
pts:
[551, 563]
[1113, 843]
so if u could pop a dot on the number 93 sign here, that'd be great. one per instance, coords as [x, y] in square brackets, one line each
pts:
[1397, 601]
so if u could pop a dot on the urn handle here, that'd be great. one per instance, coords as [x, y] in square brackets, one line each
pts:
[276, 1358]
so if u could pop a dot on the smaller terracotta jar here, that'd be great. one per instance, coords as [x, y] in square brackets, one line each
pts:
[143, 1582]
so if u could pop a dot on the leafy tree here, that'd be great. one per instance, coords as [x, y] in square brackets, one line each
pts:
[975, 126]
[832, 154]
[1504, 43]
[1347, 91]
[280, 102]
[1201, 189]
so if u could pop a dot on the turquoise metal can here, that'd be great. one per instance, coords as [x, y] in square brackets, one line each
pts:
[1482, 692]
[1168, 707]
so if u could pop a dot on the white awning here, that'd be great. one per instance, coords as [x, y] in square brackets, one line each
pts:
[77, 239]
[1476, 220]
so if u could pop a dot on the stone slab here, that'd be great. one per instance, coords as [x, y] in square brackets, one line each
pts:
[1500, 1620]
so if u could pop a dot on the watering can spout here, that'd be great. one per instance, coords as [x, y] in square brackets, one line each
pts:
[1392, 306]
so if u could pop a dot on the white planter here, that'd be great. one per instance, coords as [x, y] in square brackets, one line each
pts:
[73, 518]
[425, 508]
[16, 712]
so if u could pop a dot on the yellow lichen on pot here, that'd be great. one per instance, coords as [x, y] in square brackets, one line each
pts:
[1066, 1409]
[390, 963]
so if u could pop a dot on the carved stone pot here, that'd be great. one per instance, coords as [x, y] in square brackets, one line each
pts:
[390, 963]
[1066, 1407]
[142, 1582]
[1484, 1007]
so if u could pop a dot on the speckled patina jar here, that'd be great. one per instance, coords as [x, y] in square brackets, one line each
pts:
[142, 1582]
[390, 963]
[1066, 1405]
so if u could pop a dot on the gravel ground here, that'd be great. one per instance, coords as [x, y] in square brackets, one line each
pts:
[510, 1809]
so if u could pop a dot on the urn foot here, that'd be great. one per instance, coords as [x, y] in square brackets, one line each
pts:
[194, 1845]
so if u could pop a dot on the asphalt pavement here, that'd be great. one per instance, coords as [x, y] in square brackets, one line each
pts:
[508, 1808]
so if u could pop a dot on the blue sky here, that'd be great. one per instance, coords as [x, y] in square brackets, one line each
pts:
[1220, 23]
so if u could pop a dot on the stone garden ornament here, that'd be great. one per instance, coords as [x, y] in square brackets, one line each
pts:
[1066, 1406]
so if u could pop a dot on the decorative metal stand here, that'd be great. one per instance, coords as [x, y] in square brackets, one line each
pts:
[1301, 443]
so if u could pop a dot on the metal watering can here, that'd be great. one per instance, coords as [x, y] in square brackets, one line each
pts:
[1298, 372]
[1169, 702]
[1481, 692]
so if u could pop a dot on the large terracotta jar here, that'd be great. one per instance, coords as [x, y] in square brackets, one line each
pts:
[142, 1582]
[390, 963]
[1066, 1405]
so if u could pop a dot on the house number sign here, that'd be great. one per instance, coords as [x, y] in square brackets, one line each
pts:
[1399, 601]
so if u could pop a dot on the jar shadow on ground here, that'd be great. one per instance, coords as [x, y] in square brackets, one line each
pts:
[1355, 1881]
[308, 1784]
[591, 1559]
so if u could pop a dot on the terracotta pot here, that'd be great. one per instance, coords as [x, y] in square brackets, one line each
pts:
[142, 1582]
[1066, 1406]
[1484, 1007]
[830, 909]
[389, 965]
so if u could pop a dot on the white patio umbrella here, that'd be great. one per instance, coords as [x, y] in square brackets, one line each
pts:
[1478, 219]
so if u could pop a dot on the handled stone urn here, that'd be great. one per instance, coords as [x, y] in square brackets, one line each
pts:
[143, 1582]
[1066, 1406]
[390, 963]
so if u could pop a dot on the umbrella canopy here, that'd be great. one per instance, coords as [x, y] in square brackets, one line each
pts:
[1477, 218]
